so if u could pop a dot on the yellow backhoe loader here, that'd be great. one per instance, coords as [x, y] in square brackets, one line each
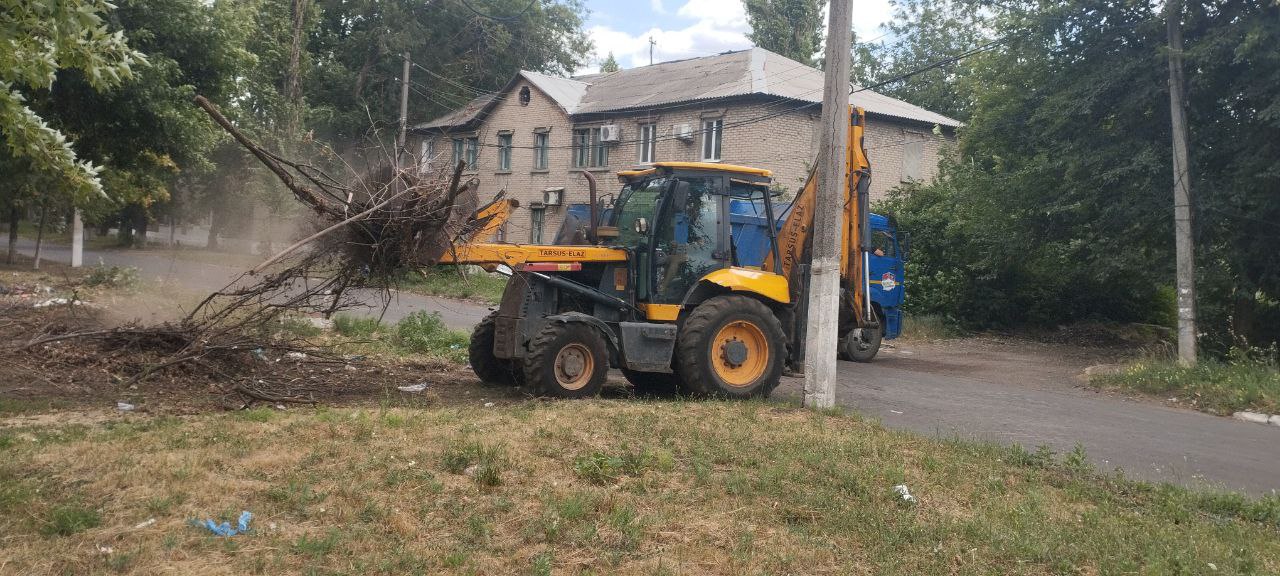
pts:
[658, 290]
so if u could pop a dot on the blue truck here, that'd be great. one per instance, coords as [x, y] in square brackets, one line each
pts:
[751, 245]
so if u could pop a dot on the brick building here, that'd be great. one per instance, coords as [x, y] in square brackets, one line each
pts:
[750, 107]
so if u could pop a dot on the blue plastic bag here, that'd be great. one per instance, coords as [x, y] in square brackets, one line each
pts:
[225, 528]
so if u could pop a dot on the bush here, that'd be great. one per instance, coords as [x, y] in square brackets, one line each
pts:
[425, 332]
[356, 326]
[112, 277]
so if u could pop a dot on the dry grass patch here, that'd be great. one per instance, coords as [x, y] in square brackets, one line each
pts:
[591, 487]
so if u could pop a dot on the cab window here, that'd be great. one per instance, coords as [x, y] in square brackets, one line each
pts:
[883, 245]
[686, 243]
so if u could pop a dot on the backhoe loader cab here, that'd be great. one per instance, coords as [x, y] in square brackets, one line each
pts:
[659, 291]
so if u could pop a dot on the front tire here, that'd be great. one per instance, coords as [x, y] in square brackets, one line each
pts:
[567, 361]
[731, 347]
[488, 367]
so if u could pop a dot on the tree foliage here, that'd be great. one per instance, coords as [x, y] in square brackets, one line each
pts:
[610, 64]
[921, 33]
[792, 28]
[41, 37]
[356, 47]
[1057, 205]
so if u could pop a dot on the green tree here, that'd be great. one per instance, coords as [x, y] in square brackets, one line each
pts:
[610, 64]
[357, 46]
[792, 28]
[921, 33]
[1058, 206]
[146, 132]
[40, 38]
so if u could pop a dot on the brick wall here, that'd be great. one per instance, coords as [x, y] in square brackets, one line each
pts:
[784, 143]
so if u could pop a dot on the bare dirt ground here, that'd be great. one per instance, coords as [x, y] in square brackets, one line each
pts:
[77, 375]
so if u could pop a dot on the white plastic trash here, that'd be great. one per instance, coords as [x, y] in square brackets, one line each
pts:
[904, 494]
[413, 387]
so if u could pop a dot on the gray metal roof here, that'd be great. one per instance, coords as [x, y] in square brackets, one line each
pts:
[460, 117]
[731, 74]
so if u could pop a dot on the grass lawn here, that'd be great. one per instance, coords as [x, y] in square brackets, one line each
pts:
[450, 282]
[588, 487]
[1212, 386]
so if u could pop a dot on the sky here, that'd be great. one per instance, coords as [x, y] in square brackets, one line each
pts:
[687, 28]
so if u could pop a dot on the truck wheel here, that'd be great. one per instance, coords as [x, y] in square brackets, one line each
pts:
[567, 361]
[488, 367]
[731, 347]
[657, 384]
[861, 345]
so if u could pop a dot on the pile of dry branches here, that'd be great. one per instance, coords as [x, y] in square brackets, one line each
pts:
[369, 231]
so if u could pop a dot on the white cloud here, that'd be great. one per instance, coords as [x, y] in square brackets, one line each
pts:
[718, 25]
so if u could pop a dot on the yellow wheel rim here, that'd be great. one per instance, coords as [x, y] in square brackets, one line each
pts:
[740, 353]
[574, 366]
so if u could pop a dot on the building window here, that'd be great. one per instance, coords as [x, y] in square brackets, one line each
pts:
[540, 151]
[588, 149]
[648, 143]
[536, 216]
[504, 152]
[712, 134]
[427, 152]
[912, 153]
[473, 148]
[457, 153]
[524, 96]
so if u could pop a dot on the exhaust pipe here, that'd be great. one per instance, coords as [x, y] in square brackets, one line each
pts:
[595, 217]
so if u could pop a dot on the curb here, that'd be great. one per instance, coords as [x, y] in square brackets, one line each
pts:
[1258, 418]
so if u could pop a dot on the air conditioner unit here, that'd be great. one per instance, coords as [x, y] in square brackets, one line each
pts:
[682, 131]
[610, 133]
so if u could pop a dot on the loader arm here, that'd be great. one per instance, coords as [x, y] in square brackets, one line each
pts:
[794, 238]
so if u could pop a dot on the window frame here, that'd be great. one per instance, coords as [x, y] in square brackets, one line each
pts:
[426, 150]
[589, 150]
[457, 147]
[541, 151]
[712, 140]
[537, 218]
[648, 153]
[504, 151]
[472, 152]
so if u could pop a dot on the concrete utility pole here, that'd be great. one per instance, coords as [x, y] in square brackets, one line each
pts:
[77, 239]
[404, 112]
[824, 276]
[651, 43]
[1184, 243]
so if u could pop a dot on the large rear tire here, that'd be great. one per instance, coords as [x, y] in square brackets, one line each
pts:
[731, 347]
[862, 345]
[567, 361]
[653, 384]
[488, 367]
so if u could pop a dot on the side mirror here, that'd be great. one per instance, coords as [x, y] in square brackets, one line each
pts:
[642, 226]
[904, 245]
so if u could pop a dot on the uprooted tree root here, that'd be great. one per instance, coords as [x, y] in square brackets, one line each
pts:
[369, 231]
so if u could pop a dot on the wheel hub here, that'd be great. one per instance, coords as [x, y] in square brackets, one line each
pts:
[573, 366]
[734, 353]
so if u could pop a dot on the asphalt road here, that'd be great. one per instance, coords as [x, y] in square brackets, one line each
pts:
[1006, 392]
[1032, 395]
